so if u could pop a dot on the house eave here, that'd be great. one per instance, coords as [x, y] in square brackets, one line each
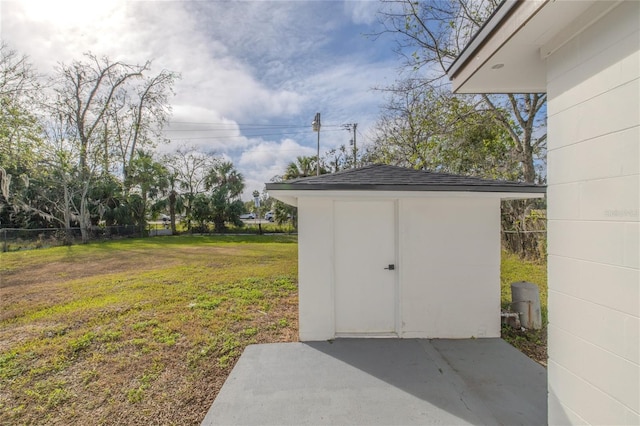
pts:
[509, 53]
[481, 37]
[481, 53]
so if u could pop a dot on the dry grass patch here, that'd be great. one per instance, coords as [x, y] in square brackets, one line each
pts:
[137, 331]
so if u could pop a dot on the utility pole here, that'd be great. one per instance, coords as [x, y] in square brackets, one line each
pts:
[316, 128]
[256, 201]
[353, 127]
[355, 147]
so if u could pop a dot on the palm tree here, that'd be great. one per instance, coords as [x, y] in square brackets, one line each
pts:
[303, 167]
[173, 200]
[226, 185]
[151, 178]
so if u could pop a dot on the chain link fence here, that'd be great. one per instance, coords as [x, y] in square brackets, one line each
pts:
[13, 239]
[527, 238]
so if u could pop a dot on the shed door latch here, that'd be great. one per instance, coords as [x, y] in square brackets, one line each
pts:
[391, 267]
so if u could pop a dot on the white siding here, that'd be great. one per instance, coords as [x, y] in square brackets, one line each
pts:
[450, 267]
[594, 202]
[315, 269]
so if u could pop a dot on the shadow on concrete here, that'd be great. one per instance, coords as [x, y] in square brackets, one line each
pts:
[480, 381]
[383, 381]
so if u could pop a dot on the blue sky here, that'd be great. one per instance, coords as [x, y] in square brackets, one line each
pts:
[254, 73]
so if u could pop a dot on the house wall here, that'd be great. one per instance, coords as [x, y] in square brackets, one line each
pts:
[593, 230]
[448, 267]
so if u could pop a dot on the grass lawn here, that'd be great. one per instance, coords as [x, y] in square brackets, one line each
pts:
[139, 331]
[145, 331]
[531, 342]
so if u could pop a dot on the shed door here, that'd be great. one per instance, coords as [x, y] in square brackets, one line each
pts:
[365, 295]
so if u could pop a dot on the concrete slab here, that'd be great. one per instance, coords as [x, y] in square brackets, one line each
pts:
[383, 382]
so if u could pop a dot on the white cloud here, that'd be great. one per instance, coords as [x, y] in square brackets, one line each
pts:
[249, 62]
[362, 11]
[51, 32]
[268, 159]
[204, 129]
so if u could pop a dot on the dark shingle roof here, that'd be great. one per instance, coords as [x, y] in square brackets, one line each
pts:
[391, 178]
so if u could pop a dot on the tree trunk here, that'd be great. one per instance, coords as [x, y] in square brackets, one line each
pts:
[85, 218]
[68, 237]
[172, 211]
[187, 212]
[218, 223]
[528, 168]
[142, 220]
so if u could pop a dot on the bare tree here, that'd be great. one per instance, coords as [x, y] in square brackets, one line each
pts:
[96, 110]
[423, 128]
[408, 123]
[139, 116]
[430, 35]
[50, 189]
[190, 169]
[20, 132]
[17, 76]
[85, 90]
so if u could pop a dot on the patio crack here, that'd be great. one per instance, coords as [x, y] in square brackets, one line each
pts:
[472, 402]
[464, 402]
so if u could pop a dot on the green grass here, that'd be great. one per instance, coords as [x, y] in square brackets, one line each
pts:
[513, 269]
[125, 331]
[122, 331]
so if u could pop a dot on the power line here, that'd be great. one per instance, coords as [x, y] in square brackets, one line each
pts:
[270, 149]
[247, 131]
[278, 125]
[252, 135]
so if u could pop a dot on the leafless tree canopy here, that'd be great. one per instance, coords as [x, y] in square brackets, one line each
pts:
[429, 36]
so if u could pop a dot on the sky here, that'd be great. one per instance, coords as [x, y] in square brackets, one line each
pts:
[253, 73]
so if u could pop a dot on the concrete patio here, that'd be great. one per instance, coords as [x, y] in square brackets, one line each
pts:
[383, 382]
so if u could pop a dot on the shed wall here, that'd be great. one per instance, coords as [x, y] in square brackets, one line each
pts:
[315, 269]
[448, 267]
[593, 230]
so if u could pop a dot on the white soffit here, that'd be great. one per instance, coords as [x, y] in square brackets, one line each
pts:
[511, 58]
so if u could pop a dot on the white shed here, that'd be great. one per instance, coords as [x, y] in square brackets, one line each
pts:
[586, 56]
[392, 252]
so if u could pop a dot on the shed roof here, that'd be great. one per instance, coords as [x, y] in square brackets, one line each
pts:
[392, 178]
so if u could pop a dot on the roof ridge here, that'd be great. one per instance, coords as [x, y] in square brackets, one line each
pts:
[386, 177]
